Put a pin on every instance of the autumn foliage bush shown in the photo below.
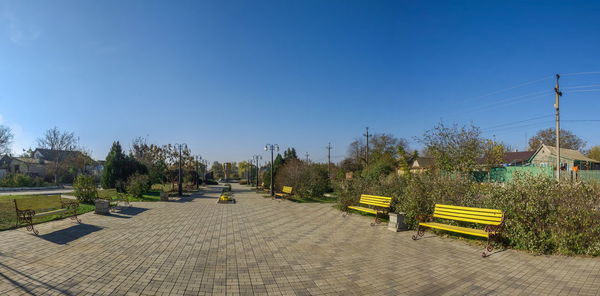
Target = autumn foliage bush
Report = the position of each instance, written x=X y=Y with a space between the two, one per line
x=542 y=215
x=307 y=180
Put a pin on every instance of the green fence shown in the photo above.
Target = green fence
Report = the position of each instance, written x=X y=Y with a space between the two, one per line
x=507 y=174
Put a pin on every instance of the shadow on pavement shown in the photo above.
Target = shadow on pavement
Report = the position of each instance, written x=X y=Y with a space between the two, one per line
x=70 y=234
x=131 y=211
x=30 y=280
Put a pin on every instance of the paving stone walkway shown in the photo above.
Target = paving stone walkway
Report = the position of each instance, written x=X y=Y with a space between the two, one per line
x=261 y=246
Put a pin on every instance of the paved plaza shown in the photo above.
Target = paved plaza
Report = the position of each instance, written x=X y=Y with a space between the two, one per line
x=261 y=246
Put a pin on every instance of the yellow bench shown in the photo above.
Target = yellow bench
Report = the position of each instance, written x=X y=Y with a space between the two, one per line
x=39 y=206
x=374 y=205
x=285 y=192
x=493 y=219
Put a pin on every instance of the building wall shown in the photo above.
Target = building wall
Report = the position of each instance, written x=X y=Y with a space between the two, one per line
x=545 y=158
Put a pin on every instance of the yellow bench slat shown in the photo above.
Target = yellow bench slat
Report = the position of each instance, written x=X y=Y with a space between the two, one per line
x=470 y=231
x=487 y=222
x=468 y=208
x=478 y=217
x=375 y=196
x=363 y=209
x=476 y=213
x=376 y=199
x=376 y=204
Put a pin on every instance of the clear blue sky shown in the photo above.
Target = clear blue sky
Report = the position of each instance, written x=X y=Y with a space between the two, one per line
x=226 y=77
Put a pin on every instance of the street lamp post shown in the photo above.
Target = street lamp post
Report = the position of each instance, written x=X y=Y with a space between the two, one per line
x=180 y=185
x=272 y=148
x=257 y=158
x=197 y=172
x=249 y=172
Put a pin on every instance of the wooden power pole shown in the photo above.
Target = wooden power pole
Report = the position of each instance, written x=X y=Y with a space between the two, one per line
x=557 y=108
x=329 y=159
x=367 y=151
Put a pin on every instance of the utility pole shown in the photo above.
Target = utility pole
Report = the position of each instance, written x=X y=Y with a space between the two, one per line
x=180 y=185
x=367 y=152
x=557 y=108
x=272 y=148
x=197 y=173
x=329 y=158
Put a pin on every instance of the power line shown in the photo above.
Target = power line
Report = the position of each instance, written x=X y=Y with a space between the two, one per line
x=581 y=73
x=513 y=87
x=510 y=101
x=582 y=120
x=518 y=127
x=581 y=86
x=584 y=90
x=515 y=122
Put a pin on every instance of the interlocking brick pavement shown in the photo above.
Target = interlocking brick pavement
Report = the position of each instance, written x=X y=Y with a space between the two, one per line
x=261 y=246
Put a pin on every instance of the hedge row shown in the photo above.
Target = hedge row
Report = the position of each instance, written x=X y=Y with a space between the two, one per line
x=542 y=215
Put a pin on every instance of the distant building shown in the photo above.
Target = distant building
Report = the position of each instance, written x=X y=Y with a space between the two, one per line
x=52 y=155
x=422 y=164
x=42 y=163
x=546 y=156
x=519 y=158
x=24 y=165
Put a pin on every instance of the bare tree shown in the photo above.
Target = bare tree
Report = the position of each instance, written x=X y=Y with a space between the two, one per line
x=455 y=148
x=568 y=139
x=6 y=137
x=58 y=141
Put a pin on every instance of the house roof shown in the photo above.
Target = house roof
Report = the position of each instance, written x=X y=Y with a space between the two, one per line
x=49 y=154
x=5 y=160
x=516 y=157
x=28 y=160
x=566 y=154
x=423 y=162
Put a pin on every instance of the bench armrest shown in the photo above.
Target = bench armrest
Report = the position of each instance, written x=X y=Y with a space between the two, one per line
x=495 y=228
x=70 y=204
x=25 y=213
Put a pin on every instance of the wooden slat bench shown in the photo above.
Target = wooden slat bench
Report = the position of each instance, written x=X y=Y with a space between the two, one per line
x=286 y=191
x=39 y=206
x=373 y=204
x=492 y=219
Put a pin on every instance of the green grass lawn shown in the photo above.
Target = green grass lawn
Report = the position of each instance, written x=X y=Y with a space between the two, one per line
x=8 y=216
x=153 y=195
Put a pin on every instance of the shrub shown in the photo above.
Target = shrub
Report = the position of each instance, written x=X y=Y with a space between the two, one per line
x=545 y=216
x=307 y=180
x=542 y=215
x=21 y=180
x=349 y=191
x=137 y=185
x=85 y=188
